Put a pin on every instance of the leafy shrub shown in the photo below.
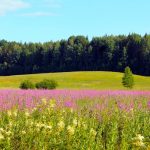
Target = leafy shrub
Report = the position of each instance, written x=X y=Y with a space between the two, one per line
x=27 y=85
x=46 y=84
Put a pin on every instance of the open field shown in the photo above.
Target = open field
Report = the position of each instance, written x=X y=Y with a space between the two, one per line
x=78 y=80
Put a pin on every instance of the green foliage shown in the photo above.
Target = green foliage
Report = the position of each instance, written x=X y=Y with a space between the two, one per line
x=48 y=127
x=108 y=53
x=128 y=79
x=27 y=85
x=46 y=84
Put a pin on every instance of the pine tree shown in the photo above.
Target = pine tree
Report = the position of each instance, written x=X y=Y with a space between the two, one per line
x=128 y=79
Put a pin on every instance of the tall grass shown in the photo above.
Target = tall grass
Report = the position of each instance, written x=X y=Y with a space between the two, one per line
x=75 y=120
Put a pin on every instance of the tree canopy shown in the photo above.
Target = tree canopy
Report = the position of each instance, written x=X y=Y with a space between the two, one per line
x=78 y=53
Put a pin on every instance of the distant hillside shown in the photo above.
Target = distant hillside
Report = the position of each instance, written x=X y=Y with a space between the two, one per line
x=79 y=80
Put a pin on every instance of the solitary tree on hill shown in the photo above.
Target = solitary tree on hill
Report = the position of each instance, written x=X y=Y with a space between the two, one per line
x=128 y=79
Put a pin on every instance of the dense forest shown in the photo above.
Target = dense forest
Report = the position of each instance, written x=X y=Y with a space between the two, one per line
x=107 y=53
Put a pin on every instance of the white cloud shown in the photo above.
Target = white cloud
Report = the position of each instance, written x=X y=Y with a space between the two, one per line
x=38 y=14
x=11 y=5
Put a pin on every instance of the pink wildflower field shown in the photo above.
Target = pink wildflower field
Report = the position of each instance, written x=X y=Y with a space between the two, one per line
x=72 y=98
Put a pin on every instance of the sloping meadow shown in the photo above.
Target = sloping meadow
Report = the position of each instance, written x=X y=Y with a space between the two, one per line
x=74 y=119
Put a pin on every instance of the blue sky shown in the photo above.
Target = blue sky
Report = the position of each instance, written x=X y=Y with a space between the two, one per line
x=45 y=20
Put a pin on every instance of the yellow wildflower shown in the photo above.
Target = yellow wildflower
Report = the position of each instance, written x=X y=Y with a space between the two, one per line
x=52 y=103
x=1 y=137
x=44 y=101
x=139 y=137
x=8 y=133
x=75 y=122
x=61 y=125
x=27 y=113
x=138 y=140
x=70 y=130
x=15 y=113
x=23 y=132
x=2 y=130
x=9 y=113
x=48 y=127
x=93 y=132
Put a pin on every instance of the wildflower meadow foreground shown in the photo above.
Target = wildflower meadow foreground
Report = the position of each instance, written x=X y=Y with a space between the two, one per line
x=74 y=119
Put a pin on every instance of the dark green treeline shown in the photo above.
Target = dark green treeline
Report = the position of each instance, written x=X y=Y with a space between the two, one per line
x=107 y=53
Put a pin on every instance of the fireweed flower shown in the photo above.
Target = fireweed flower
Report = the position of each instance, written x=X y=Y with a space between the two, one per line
x=70 y=104
x=70 y=130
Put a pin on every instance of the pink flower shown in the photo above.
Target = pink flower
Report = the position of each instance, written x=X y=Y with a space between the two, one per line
x=69 y=104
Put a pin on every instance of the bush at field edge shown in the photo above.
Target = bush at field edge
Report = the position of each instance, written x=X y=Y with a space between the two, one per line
x=27 y=85
x=46 y=84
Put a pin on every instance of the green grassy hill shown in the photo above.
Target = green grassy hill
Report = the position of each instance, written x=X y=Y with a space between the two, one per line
x=78 y=80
